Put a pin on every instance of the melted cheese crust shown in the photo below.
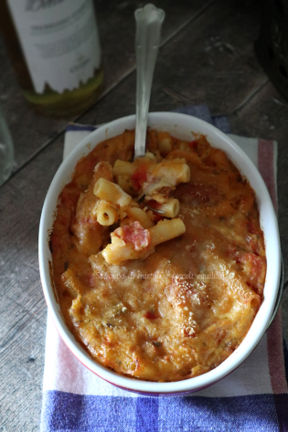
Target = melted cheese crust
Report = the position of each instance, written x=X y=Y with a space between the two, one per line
x=182 y=310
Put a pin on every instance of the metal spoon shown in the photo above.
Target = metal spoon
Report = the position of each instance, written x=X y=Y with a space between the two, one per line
x=149 y=20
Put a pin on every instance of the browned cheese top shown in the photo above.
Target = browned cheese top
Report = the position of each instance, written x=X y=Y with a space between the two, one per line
x=184 y=307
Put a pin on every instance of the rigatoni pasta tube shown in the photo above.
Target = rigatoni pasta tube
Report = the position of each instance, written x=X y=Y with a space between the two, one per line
x=176 y=170
x=166 y=230
x=123 y=168
x=109 y=191
x=106 y=213
x=140 y=215
x=170 y=208
x=119 y=251
x=165 y=142
x=125 y=183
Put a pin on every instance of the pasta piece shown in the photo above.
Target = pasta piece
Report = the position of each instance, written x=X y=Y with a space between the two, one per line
x=165 y=142
x=148 y=157
x=190 y=157
x=159 y=198
x=102 y=169
x=166 y=175
x=128 y=168
x=123 y=168
x=170 y=208
x=71 y=282
x=140 y=215
x=89 y=235
x=176 y=170
x=132 y=241
x=128 y=242
x=184 y=146
x=109 y=191
x=106 y=213
x=166 y=230
x=118 y=251
x=125 y=183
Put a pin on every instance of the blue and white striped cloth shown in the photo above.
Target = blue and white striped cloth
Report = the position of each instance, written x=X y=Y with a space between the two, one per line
x=253 y=398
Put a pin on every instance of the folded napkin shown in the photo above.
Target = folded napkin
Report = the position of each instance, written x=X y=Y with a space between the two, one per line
x=253 y=398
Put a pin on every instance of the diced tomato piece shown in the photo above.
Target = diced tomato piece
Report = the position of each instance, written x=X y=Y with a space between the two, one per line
x=255 y=262
x=150 y=315
x=254 y=267
x=252 y=242
x=252 y=229
x=193 y=144
x=88 y=280
x=69 y=197
x=139 y=177
x=135 y=234
x=189 y=332
x=246 y=203
x=153 y=204
x=233 y=252
x=157 y=217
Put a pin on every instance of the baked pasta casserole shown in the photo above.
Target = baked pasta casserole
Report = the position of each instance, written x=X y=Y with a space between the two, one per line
x=158 y=263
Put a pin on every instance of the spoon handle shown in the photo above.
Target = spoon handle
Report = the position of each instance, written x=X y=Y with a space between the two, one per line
x=149 y=20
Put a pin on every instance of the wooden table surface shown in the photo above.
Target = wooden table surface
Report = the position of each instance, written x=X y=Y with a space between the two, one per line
x=206 y=57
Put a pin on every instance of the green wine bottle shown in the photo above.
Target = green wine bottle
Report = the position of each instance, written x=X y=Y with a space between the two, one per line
x=55 y=50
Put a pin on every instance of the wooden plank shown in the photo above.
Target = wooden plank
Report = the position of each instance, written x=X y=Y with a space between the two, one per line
x=23 y=309
x=207 y=62
x=265 y=115
x=220 y=68
x=31 y=131
x=21 y=372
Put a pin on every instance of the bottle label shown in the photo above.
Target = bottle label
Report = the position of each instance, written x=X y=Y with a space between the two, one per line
x=60 y=41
